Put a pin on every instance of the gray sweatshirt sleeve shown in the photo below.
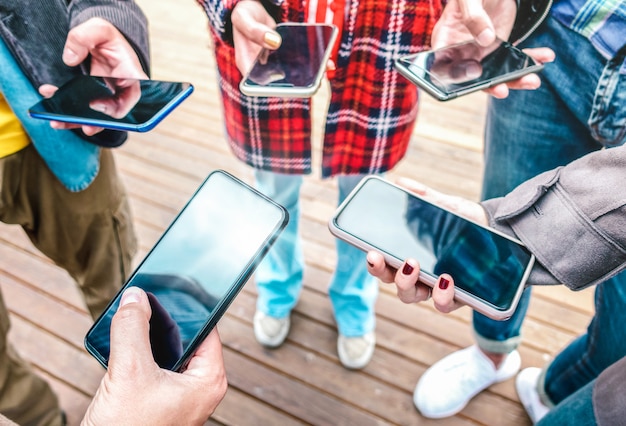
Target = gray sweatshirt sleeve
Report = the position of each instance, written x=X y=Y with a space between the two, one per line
x=572 y=218
x=125 y=15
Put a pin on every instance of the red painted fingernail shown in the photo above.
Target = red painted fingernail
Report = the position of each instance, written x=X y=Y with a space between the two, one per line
x=443 y=283
x=407 y=270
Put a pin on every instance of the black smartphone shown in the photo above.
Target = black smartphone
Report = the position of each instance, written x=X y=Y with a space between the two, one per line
x=463 y=68
x=112 y=103
x=489 y=268
x=197 y=267
x=297 y=67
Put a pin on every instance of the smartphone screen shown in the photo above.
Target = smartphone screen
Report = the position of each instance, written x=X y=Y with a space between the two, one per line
x=297 y=67
x=489 y=268
x=197 y=267
x=112 y=103
x=466 y=67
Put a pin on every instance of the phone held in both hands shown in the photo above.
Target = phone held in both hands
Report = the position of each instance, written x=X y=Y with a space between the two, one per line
x=297 y=67
x=197 y=267
x=463 y=68
x=489 y=268
x=112 y=103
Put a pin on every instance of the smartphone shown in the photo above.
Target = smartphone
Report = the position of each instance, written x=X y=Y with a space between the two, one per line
x=463 y=68
x=489 y=268
x=124 y=104
x=197 y=267
x=296 y=68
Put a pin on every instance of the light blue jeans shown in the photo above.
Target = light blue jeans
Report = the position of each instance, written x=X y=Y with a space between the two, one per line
x=579 y=108
x=353 y=291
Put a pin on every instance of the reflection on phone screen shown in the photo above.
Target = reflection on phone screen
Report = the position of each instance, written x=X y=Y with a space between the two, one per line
x=465 y=65
x=298 y=60
x=198 y=266
x=483 y=263
x=125 y=104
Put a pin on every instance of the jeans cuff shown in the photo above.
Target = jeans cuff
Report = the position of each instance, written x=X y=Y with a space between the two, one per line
x=497 y=346
x=541 y=389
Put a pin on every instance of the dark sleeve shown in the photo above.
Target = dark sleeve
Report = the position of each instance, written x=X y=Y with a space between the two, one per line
x=129 y=19
x=609 y=398
x=572 y=218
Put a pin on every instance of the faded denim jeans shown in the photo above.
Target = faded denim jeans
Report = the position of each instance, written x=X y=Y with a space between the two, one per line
x=579 y=108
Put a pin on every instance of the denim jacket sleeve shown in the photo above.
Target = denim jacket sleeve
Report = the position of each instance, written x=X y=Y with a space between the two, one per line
x=572 y=218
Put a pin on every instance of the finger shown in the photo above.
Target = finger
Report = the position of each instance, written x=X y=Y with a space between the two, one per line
x=91 y=130
x=541 y=54
x=443 y=294
x=47 y=90
x=84 y=37
x=477 y=21
x=256 y=25
x=409 y=289
x=208 y=355
x=377 y=267
x=130 y=341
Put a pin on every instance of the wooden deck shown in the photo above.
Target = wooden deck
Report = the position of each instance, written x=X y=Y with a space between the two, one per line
x=302 y=382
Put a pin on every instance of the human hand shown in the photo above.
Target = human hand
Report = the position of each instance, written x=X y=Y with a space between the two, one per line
x=408 y=285
x=410 y=288
x=253 y=30
x=482 y=20
x=135 y=390
x=110 y=55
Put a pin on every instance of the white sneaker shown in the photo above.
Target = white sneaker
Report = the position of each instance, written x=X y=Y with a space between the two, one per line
x=526 y=386
x=356 y=352
x=269 y=331
x=446 y=387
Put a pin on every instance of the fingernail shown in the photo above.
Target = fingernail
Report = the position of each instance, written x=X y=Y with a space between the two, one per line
x=443 y=283
x=407 y=269
x=69 y=57
x=130 y=295
x=272 y=39
x=486 y=37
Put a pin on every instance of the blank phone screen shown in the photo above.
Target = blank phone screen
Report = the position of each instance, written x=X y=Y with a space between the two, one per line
x=198 y=266
x=483 y=263
x=298 y=60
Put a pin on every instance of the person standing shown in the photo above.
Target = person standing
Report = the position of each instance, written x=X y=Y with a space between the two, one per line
x=369 y=122
x=60 y=185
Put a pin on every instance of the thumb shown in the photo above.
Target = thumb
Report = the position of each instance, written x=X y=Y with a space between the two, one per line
x=130 y=341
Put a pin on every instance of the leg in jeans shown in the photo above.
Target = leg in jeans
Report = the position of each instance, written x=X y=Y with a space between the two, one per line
x=279 y=276
x=577 y=409
x=353 y=291
x=534 y=131
x=88 y=233
x=527 y=133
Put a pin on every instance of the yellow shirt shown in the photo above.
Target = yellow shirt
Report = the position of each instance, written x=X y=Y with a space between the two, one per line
x=12 y=134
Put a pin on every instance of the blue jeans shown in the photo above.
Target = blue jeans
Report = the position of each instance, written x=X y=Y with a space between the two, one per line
x=353 y=291
x=577 y=409
x=579 y=108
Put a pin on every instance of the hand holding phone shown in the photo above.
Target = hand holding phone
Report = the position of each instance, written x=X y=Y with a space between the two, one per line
x=467 y=67
x=489 y=268
x=112 y=103
x=197 y=267
x=297 y=67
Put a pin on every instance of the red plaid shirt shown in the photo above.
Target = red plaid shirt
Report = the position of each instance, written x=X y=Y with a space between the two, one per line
x=372 y=108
